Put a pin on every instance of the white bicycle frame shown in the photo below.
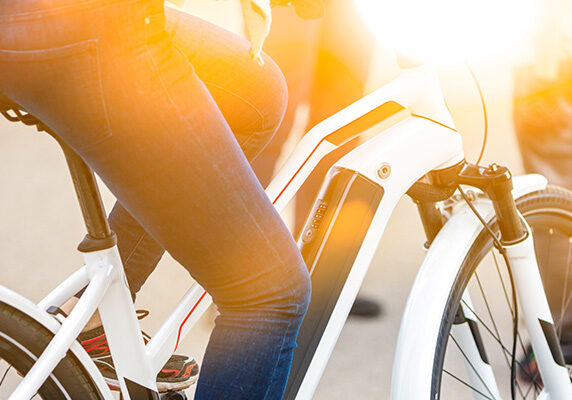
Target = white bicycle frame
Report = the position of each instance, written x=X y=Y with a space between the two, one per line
x=418 y=136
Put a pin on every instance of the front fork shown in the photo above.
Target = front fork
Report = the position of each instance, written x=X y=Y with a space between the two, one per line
x=517 y=243
x=538 y=319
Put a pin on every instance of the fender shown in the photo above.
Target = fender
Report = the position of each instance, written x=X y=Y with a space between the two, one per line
x=414 y=355
x=24 y=305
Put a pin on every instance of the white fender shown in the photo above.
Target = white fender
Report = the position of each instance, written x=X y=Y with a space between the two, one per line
x=24 y=305
x=411 y=377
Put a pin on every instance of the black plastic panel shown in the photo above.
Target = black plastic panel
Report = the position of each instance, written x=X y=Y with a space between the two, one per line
x=329 y=244
x=362 y=124
x=553 y=342
x=478 y=340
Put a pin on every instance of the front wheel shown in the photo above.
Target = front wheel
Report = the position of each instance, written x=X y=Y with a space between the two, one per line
x=22 y=340
x=483 y=289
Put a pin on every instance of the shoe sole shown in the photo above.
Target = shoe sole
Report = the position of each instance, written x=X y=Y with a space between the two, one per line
x=161 y=386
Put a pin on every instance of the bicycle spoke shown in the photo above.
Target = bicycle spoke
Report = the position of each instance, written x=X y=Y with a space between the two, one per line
x=502 y=283
x=488 y=307
x=487 y=279
x=550 y=233
x=506 y=352
x=487 y=328
x=565 y=301
x=5 y=373
x=471 y=365
x=522 y=347
x=568 y=302
x=466 y=384
x=532 y=385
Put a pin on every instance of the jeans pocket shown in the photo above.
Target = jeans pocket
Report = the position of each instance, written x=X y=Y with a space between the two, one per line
x=62 y=87
x=155 y=27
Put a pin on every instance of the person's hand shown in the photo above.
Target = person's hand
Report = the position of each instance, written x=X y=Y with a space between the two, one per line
x=306 y=9
x=257 y=19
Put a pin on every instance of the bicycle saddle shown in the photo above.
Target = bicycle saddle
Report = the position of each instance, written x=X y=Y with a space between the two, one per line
x=6 y=104
x=15 y=113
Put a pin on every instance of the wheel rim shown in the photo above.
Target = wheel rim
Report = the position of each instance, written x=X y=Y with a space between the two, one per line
x=15 y=361
x=552 y=230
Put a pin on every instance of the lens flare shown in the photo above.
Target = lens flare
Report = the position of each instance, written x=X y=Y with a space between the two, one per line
x=451 y=28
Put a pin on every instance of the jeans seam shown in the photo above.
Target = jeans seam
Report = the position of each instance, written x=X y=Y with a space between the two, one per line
x=134 y=248
x=269 y=243
x=153 y=66
x=39 y=14
x=279 y=256
x=286 y=333
x=101 y=93
x=260 y=115
x=158 y=73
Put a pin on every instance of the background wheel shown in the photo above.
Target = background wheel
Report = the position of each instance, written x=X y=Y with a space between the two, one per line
x=22 y=340
x=484 y=275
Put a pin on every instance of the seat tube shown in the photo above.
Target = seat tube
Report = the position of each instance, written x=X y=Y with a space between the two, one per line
x=99 y=247
x=99 y=234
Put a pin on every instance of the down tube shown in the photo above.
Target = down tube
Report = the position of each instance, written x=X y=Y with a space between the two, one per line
x=330 y=244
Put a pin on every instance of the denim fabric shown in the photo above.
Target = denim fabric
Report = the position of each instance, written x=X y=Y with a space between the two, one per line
x=323 y=71
x=161 y=118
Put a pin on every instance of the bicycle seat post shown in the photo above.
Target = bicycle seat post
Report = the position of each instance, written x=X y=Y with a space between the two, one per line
x=99 y=235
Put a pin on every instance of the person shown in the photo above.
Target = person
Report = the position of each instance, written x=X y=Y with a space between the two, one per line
x=168 y=110
x=326 y=70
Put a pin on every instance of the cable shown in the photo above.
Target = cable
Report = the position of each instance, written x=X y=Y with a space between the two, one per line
x=486 y=123
x=498 y=245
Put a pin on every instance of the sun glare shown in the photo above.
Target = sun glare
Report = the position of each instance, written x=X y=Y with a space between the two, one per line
x=451 y=28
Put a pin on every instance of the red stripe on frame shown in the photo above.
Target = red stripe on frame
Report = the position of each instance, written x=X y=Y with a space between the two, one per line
x=352 y=130
x=186 y=318
x=296 y=173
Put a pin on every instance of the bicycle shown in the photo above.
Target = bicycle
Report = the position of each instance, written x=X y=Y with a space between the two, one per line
x=408 y=145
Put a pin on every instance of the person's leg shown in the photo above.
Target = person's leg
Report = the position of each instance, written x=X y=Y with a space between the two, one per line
x=246 y=95
x=323 y=72
x=252 y=118
x=293 y=44
x=139 y=251
x=158 y=140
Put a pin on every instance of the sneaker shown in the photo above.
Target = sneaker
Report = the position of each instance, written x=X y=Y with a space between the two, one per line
x=179 y=372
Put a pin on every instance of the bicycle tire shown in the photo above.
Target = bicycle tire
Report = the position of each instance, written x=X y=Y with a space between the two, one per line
x=22 y=340
x=549 y=207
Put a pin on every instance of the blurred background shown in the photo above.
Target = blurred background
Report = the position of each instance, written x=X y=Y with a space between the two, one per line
x=328 y=63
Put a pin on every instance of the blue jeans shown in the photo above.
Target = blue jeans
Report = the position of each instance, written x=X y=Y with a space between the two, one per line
x=169 y=121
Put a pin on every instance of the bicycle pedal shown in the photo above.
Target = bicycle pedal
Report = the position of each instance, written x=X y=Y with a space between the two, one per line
x=170 y=395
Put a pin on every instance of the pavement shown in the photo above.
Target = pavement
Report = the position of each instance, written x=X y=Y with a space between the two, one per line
x=41 y=226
